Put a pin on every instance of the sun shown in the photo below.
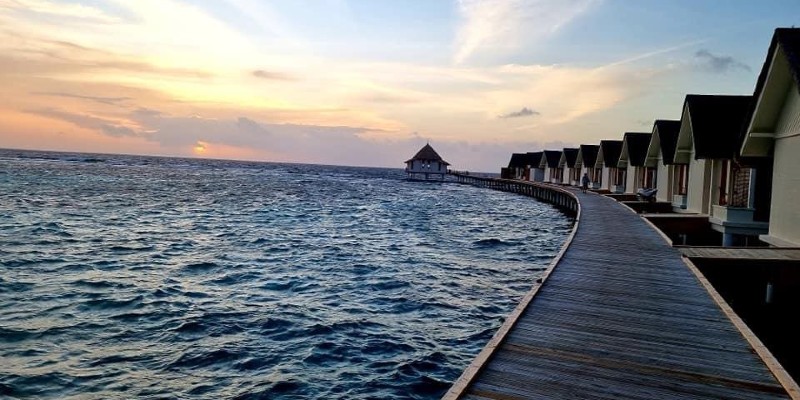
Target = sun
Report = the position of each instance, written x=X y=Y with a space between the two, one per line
x=200 y=148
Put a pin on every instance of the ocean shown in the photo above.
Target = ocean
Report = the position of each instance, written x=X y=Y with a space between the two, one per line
x=148 y=277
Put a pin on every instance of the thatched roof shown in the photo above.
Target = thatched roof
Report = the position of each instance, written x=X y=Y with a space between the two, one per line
x=427 y=153
x=716 y=123
x=518 y=160
x=534 y=159
x=588 y=154
x=667 y=137
x=570 y=155
x=636 y=144
x=552 y=157
x=611 y=150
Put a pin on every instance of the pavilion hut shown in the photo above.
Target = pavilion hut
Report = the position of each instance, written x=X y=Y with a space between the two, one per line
x=613 y=178
x=631 y=158
x=707 y=141
x=567 y=164
x=549 y=166
x=660 y=153
x=773 y=135
x=427 y=164
x=585 y=164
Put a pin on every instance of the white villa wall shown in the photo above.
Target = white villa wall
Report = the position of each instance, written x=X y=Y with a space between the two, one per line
x=784 y=221
x=606 y=179
x=567 y=175
x=698 y=188
x=664 y=181
x=630 y=179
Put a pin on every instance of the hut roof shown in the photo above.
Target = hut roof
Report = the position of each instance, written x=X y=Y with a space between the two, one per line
x=570 y=155
x=611 y=150
x=534 y=158
x=589 y=154
x=667 y=137
x=716 y=123
x=636 y=144
x=552 y=157
x=518 y=160
x=427 y=153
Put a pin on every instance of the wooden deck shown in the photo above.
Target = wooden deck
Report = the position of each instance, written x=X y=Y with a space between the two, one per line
x=742 y=253
x=620 y=317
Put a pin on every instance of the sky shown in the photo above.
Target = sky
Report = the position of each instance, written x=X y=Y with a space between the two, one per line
x=365 y=82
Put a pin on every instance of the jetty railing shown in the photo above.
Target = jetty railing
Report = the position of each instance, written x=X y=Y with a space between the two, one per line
x=552 y=194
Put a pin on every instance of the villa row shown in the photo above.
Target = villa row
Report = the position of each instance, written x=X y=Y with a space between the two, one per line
x=732 y=162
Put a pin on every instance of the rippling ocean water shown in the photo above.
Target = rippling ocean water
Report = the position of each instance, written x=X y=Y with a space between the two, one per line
x=143 y=277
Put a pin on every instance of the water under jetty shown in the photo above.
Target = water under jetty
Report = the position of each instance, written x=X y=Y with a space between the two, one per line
x=619 y=315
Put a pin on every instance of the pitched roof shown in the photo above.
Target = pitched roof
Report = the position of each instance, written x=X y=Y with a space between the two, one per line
x=789 y=41
x=611 y=150
x=552 y=157
x=589 y=154
x=637 y=143
x=717 y=123
x=534 y=158
x=571 y=155
x=427 y=153
x=668 y=138
x=517 y=160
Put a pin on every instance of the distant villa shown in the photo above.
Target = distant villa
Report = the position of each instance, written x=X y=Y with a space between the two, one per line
x=427 y=164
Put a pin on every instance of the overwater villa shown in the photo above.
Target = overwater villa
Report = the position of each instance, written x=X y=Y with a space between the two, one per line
x=427 y=164
x=660 y=155
x=710 y=128
x=517 y=168
x=773 y=134
x=535 y=173
x=585 y=164
x=549 y=166
x=607 y=158
x=567 y=164
x=631 y=159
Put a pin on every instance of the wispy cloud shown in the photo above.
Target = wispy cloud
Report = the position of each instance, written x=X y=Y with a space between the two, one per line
x=524 y=112
x=97 y=99
x=113 y=128
x=653 y=53
x=508 y=23
x=719 y=64
x=273 y=75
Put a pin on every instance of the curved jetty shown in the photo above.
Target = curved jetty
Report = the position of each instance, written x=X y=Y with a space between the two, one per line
x=620 y=315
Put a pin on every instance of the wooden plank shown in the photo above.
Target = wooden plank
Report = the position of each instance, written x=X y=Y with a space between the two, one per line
x=621 y=316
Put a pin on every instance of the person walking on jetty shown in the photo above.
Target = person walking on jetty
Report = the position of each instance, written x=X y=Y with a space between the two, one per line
x=585 y=182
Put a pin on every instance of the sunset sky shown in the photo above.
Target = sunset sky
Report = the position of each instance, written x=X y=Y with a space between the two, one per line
x=365 y=82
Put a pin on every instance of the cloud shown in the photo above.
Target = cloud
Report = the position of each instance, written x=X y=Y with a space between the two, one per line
x=274 y=76
x=98 y=99
x=524 y=112
x=506 y=24
x=106 y=126
x=719 y=64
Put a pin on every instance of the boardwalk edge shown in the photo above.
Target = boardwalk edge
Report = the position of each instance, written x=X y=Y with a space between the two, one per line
x=477 y=364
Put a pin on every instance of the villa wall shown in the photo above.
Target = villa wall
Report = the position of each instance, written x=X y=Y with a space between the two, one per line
x=699 y=181
x=784 y=222
x=606 y=178
x=630 y=179
x=663 y=180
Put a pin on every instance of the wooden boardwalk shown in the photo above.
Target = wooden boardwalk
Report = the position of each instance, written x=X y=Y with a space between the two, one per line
x=742 y=253
x=621 y=317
